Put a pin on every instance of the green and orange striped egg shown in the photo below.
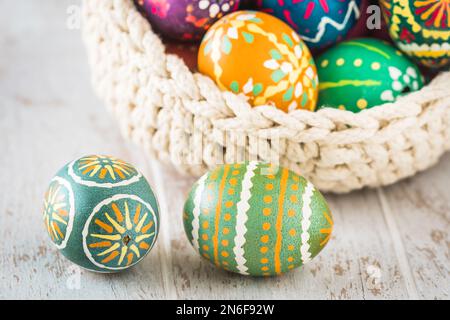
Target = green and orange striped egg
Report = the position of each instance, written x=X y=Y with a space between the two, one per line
x=101 y=213
x=256 y=219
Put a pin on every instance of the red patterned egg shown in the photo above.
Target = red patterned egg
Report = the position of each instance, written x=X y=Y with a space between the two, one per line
x=185 y=19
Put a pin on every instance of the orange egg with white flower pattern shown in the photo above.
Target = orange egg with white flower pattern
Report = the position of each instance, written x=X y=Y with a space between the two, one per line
x=260 y=56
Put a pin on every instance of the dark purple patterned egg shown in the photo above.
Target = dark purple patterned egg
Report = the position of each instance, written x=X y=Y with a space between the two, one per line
x=186 y=20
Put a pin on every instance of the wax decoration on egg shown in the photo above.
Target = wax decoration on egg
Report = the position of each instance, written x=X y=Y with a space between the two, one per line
x=256 y=219
x=363 y=73
x=185 y=19
x=320 y=23
x=260 y=56
x=101 y=213
x=421 y=29
x=247 y=5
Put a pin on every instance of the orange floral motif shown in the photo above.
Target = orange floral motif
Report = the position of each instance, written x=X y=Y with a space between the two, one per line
x=159 y=7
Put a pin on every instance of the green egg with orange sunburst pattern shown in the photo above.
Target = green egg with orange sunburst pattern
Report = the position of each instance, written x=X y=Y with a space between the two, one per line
x=256 y=219
x=101 y=213
x=364 y=73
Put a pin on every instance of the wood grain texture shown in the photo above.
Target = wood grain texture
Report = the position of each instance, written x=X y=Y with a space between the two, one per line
x=390 y=243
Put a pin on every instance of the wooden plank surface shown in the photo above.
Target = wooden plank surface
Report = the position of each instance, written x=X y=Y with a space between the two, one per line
x=390 y=243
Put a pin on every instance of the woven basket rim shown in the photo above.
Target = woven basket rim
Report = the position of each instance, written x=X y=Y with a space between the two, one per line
x=412 y=96
x=368 y=135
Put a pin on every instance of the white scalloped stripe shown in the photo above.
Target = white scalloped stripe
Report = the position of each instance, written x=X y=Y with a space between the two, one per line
x=241 y=218
x=196 y=212
x=322 y=27
x=426 y=48
x=306 y=222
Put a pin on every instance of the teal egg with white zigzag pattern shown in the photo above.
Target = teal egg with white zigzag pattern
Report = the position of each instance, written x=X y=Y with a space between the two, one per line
x=256 y=219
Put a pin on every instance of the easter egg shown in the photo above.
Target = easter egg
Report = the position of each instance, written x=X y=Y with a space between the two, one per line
x=363 y=73
x=421 y=29
x=260 y=56
x=382 y=33
x=247 y=5
x=101 y=213
x=320 y=23
x=256 y=219
x=185 y=19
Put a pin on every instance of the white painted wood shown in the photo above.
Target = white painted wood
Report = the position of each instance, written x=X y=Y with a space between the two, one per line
x=399 y=248
x=391 y=243
x=48 y=117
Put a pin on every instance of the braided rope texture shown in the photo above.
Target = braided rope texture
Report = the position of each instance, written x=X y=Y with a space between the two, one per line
x=184 y=119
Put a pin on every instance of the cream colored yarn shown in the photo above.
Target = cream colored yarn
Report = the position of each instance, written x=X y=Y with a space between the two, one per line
x=184 y=119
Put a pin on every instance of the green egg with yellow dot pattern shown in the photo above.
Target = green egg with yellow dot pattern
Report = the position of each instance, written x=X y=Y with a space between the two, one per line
x=256 y=219
x=364 y=73
x=101 y=213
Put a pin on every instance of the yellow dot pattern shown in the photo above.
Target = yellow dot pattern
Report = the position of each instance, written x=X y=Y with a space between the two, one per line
x=273 y=229
x=358 y=63
x=291 y=254
x=264 y=237
x=271 y=187
x=362 y=103
x=225 y=212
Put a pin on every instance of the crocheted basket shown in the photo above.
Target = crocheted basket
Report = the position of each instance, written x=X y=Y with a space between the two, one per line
x=183 y=118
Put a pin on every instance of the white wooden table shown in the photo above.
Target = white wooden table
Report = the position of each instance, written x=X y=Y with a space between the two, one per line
x=387 y=243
